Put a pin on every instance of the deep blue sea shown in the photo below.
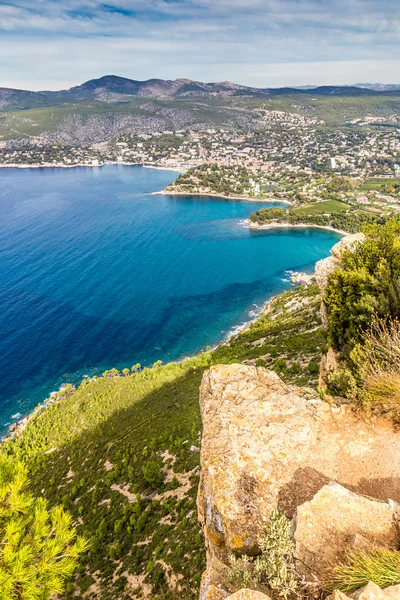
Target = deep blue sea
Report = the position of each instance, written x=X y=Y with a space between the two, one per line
x=95 y=272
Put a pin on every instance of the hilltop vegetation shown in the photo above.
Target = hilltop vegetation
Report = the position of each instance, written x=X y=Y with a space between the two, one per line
x=121 y=453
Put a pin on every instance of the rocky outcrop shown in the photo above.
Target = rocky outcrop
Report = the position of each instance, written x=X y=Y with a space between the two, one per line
x=336 y=519
x=371 y=591
x=269 y=445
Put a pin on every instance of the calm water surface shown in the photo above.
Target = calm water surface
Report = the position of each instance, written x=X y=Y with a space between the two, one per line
x=95 y=272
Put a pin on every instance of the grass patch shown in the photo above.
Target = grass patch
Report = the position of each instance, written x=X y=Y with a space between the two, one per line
x=328 y=207
x=378 y=183
x=379 y=565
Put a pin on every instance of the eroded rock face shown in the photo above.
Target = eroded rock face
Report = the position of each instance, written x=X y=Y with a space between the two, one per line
x=269 y=445
x=336 y=519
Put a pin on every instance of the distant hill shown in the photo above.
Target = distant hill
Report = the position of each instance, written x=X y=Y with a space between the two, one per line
x=379 y=87
x=112 y=88
x=11 y=99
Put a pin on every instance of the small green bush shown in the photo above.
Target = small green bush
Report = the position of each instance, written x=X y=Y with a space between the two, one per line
x=152 y=473
x=274 y=568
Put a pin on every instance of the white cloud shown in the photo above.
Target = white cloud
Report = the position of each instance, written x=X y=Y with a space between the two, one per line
x=260 y=42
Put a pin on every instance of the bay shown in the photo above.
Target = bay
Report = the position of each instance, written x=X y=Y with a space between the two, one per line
x=96 y=272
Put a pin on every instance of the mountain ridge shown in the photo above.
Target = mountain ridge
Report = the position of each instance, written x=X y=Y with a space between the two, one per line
x=113 y=88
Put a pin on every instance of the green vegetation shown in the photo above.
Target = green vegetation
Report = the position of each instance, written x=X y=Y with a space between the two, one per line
x=227 y=181
x=362 y=299
x=358 y=567
x=39 y=548
x=274 y=568
x=366 y=285
x=329 y=207
x=387 y=184
x=351 y=220
x=121 y=452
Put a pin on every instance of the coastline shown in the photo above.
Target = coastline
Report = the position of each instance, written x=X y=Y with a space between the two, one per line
x=210 y=195
x=277 y=225
x=67 y=389
x=64 y=166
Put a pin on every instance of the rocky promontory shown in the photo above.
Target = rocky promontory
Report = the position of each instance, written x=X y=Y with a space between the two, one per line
x=267 y=445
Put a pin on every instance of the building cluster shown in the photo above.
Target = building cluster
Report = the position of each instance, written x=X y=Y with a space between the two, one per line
x=285 y=140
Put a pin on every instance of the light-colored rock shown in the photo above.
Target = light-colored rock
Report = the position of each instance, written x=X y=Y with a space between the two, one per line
x=213 y=593
x=393 y=591
x=348 y=242
x=267 y=445
x=337 y=595
x=248 y=595
x=371 y=591
x=329 y=364
x=328 y=524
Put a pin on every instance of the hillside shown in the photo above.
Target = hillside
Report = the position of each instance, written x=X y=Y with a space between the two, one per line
x=122 y=454
x=101 y=109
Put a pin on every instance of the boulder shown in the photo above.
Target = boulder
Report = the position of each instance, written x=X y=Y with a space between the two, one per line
x=371 y=591
x=269 y=445
x=248 y=595
x=332 y=521
x=337 y=595
x=393 y=591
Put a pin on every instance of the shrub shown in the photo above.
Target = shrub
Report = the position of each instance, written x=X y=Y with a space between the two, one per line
x=280 y=366
x=365 y=287
x=358 y=567
x=152 y=473
x=274 y=568
x=313 y=367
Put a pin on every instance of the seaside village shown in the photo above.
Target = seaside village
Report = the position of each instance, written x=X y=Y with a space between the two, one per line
x=287 y=144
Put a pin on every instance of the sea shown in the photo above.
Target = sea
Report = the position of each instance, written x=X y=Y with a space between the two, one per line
x=98 y=272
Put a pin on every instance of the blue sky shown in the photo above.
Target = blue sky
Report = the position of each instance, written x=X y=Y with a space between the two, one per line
x=53 y=44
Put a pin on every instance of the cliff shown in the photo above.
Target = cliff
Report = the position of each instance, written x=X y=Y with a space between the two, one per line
x=267 y=446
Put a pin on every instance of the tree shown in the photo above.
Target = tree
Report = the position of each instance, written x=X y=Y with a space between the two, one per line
x=366 y=286
x=39 y=548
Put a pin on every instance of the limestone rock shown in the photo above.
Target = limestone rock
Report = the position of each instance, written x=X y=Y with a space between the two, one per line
x=213 y=593
x=348 y=242
x=393 y=591
x=329 y=364
x=269 y=445
x=248 y=595
x=337 y=595
x=371 y=591
x=326 y=525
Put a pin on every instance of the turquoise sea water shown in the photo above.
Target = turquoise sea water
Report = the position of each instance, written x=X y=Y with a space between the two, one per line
x=95 y=272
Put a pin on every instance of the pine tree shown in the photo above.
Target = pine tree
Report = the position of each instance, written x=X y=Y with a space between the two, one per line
x=39 y=547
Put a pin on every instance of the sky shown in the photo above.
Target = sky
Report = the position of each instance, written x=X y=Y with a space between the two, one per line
x=55 y=44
